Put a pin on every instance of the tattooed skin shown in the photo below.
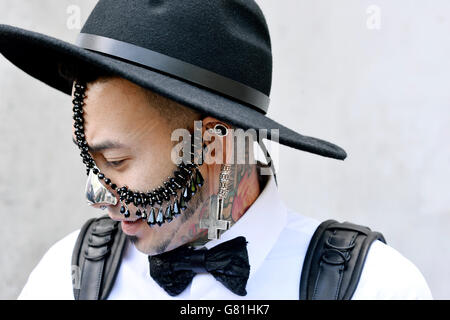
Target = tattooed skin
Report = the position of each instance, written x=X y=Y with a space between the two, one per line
x=243 y=191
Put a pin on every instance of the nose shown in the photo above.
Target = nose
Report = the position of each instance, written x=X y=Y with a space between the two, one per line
x=97 y=195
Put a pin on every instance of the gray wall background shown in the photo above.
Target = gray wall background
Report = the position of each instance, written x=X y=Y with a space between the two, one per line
x=381 y=93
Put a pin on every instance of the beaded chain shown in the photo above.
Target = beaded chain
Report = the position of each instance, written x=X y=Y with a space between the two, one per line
x=156 y=207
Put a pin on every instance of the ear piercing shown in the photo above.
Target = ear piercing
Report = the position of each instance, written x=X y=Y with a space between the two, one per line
x=220 y=130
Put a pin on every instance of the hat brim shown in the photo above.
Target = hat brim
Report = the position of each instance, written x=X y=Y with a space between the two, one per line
x=40 y=56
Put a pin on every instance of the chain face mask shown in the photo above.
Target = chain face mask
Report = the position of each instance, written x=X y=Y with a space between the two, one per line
x=156 y=207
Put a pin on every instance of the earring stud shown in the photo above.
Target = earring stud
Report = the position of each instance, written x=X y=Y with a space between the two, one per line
x=220 y=130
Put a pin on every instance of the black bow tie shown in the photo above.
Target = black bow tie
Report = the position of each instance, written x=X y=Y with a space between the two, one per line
x=227 y=262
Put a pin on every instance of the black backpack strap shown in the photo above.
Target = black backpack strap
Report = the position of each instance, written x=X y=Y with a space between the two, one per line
x=96 y=258
x=334 y=260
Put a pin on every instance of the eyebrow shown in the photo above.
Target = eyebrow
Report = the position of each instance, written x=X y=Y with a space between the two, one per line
x=102 y=146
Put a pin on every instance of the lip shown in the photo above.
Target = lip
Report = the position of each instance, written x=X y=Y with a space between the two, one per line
x=131 y=228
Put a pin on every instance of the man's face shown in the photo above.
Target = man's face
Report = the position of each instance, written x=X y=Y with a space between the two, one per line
x=131 y=145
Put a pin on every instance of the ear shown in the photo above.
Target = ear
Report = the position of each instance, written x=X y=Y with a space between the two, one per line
x=219 y=149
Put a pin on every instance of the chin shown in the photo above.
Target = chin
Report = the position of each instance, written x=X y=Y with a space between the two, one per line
x=157 y=240
x=147 y=246
x=139 y=244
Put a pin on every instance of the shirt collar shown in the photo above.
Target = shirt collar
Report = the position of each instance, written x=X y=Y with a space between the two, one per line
x=261 y=225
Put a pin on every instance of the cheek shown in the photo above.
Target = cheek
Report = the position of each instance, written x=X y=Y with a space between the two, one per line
x=150 y=168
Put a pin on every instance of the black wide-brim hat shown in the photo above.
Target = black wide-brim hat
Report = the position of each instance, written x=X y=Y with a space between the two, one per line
x=212 y=56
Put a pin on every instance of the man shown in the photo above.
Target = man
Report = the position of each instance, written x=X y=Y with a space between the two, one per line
x=141 y=70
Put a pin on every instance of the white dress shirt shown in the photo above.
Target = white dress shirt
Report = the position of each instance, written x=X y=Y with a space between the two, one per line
x=277 y=242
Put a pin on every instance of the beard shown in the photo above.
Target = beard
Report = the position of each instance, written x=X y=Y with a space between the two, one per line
x=133 y=239
x=163 y=241
x=155 y=249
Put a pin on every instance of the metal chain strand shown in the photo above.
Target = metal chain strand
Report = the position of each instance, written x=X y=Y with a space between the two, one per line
x=224 y=181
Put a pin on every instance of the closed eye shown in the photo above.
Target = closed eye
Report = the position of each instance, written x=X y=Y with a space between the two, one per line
x=114 y=163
